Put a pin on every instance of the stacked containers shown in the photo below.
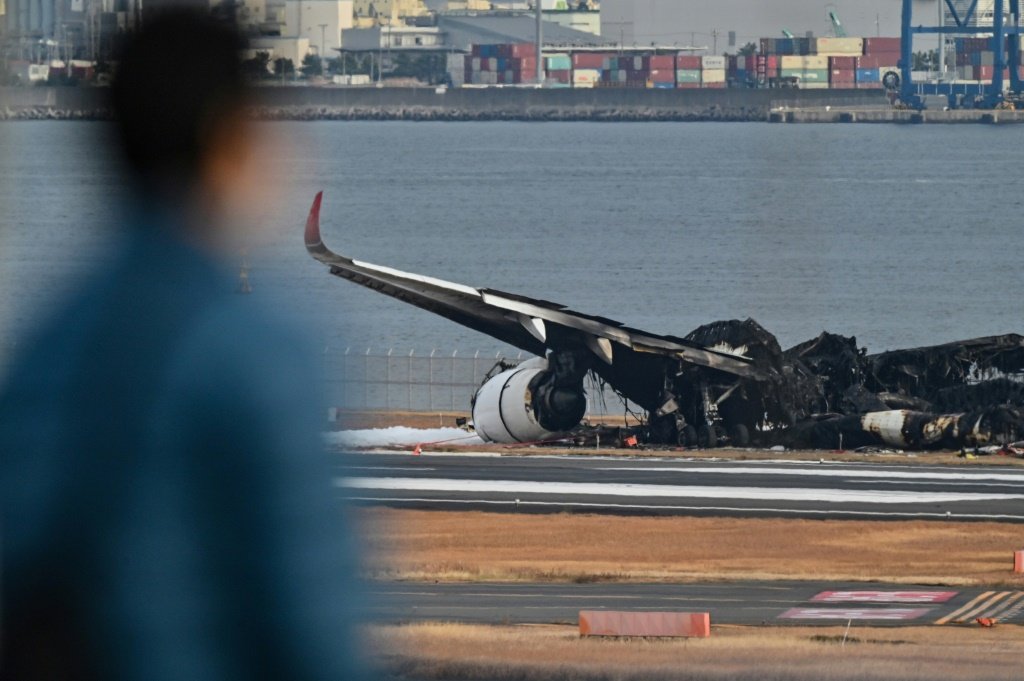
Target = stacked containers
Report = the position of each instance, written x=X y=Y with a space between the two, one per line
x=810 y=72
x=881 y=56
x=688 y=70
x=501 y=64
x=842 y=72
x=586 y=68
x=713 y=71
x=558 y=69
x=663 y=71
x=622 y=71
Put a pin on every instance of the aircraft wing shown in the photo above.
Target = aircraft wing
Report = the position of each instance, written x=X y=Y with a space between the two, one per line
x=623 y=354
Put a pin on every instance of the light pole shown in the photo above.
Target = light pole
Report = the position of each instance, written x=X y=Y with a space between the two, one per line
x=323 y=50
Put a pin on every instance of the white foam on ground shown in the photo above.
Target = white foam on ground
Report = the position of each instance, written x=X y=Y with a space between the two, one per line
x=399 y=436
x=832 y=472
x=668 y=491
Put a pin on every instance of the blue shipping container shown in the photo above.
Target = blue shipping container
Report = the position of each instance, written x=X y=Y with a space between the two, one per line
x=664 y=86
x=867 y=75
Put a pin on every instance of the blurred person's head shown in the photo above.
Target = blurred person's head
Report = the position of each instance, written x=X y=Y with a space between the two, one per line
x=179 y=98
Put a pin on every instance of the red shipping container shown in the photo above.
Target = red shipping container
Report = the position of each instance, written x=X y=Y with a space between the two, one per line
x=714 y=86
x=663 y=75
x=869 y=86
x=688 y=86
x=520 y=50
x=524 y=64
x=842 y=63
x=878 y=61
x=873 y=46
x=589 y=60
x=663 y=61
x=986 y=73
x=688 y=63
x=837 y=76
x=560 y=76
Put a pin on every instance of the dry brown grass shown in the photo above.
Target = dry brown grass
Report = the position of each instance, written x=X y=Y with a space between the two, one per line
x=476 y=546
x=451 y=651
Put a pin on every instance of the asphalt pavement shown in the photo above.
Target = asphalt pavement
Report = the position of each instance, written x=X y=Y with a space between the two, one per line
x=749 y=603
x=673 y=486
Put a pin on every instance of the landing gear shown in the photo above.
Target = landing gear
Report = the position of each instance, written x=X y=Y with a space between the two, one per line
x=739 y=435
x=707 y=437
x=688 y=436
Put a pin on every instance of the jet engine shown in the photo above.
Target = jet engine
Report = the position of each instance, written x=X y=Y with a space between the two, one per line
x=535 y=401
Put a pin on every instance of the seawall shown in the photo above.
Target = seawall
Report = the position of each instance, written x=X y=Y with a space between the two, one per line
x=479 y=104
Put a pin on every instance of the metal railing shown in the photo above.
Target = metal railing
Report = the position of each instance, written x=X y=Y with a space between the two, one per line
x=427 y=382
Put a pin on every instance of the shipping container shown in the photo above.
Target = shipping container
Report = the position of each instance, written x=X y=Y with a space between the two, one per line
x=713 y=76
x=520 y=50
x=875 y=45
x=833 y=47
x=711 y=63
x=585 y=77
x=806 y=75
x=589 y=60
x=842 y=63
x=663 y=86
x=816 y=63
x=812 y=86
x=688 y=62
x=560 y=76
x=867 y=75
x=663 y=76
x=878 y=61
x=688 y=76
x=558 y=62
x=687 y=86
x=663 y=61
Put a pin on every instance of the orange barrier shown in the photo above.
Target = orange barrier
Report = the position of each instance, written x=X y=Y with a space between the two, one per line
x=1018 y=562
x=677 y=624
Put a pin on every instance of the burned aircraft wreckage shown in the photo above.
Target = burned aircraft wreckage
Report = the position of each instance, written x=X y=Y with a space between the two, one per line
x=727 y=382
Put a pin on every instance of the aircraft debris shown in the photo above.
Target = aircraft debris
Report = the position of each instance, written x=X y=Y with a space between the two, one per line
x=725 y=383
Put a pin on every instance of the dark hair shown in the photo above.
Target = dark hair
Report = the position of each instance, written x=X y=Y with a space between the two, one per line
x=176 y=79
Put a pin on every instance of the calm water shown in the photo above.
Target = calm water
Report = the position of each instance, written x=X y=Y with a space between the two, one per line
x=881 y=232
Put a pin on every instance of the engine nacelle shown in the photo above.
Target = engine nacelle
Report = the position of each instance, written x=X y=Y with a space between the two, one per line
x=529 y=403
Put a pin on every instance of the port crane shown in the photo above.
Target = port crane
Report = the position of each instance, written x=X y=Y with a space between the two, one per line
x=837 y=26
x=1005 y=45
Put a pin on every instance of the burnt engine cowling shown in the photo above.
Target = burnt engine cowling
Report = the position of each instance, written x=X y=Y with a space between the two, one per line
x=535 y=401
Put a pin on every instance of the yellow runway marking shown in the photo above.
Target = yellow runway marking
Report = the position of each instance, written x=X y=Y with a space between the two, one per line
x=990 y=604
x=964 y=609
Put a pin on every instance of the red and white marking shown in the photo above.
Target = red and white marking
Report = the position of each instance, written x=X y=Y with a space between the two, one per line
x=884 y=596
x=854 y=613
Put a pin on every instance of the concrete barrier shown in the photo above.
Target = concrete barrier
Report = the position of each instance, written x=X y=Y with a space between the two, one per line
x=1018 y=562
x=660 y=624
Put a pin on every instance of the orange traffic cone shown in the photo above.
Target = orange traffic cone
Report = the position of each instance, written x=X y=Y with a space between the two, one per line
x=418 y=450
x=986 y=621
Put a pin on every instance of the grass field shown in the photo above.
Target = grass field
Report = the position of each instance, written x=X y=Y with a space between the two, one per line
x=477 y=546
x=468 y=652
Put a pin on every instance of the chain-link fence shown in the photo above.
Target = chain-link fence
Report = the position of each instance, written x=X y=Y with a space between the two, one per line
x=428 y=382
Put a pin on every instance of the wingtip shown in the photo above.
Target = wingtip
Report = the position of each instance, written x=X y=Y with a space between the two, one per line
x=313 y=222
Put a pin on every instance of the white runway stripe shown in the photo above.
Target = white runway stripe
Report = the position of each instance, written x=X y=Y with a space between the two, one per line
x=830 y=472
x=669 y=491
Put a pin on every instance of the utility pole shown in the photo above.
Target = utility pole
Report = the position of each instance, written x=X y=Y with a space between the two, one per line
x=323 y=50
x=540 y=41
x=714 y=38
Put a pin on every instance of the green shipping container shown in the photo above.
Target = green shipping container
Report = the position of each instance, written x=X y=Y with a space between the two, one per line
x=559 y=63
x=806 y=76
x=688 y=76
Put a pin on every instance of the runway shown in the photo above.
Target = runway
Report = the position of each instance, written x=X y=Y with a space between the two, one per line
x=664 y=486
x=748 y=603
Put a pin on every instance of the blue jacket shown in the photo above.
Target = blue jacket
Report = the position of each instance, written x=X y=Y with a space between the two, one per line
x=167 y=511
